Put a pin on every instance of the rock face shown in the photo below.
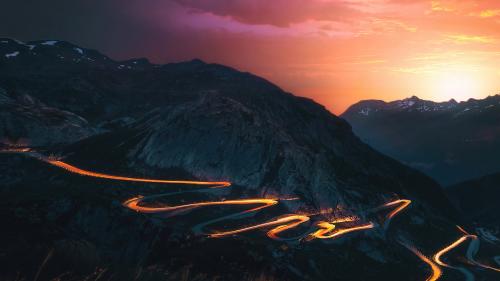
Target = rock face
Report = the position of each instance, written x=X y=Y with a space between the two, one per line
x=207 y=122
x=309 y=153
x=449 y=141
x=27 y=121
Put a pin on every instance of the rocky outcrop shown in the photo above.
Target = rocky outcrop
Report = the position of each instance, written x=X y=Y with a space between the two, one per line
x=26 y=121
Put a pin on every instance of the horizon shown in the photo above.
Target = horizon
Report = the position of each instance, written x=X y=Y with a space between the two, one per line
x=336 y=53
x=464 y=99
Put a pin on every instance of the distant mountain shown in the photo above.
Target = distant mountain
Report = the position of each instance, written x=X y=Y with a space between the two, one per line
x=194 y=120
x=478 y=199
x=448 y=141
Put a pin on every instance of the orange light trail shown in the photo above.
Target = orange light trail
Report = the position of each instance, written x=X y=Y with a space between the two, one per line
x=438 y=256
x=486 y=266
x=472 y=250
x=76 y=170
x=134 y=205
x=299 y=219
x=327 y=227
x=473 y=247
x=16 y=150
x=403 y=202
x=285 y=223
x=436 y=271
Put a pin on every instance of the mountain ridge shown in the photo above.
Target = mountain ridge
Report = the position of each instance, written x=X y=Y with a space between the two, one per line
x=449 y=141
x=414 y=103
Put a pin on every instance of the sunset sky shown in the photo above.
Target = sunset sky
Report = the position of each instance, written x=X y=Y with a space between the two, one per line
x=336 y=52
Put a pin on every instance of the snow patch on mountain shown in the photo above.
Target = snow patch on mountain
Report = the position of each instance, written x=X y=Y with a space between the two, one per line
x=50 y=43
x=406 y=103
x=11 y=55
x=415 y=104
x=365 y=111
x=79 y=50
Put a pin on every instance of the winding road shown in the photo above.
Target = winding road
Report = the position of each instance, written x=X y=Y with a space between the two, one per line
x=472 y=250
x=436 y=270
x=327 y=230
x=324 y=229
x=438 y=257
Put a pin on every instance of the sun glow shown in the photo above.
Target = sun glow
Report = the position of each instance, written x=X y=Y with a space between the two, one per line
x=457 y=84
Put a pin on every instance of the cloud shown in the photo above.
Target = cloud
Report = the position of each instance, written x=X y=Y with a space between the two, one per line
x=463 y=39
x=439 y=6
x=489 y=13
x=281 y=13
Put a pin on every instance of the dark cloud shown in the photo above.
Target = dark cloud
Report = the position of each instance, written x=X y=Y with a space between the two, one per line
x=280 y=13
x=112 y=26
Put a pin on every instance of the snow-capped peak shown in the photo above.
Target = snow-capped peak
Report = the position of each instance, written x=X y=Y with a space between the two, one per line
x=50 y=43
x=11 y=55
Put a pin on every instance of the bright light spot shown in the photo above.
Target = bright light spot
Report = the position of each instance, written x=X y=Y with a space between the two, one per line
x=459 y=85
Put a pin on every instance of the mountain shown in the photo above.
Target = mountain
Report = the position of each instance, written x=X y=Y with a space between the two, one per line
x=203 y=122
x=229 y=115
x=25 y=119
x=448 y=141
x=478 y=199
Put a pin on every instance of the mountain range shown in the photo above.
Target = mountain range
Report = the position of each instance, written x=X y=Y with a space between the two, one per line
x=67 y=105
x=449 y=141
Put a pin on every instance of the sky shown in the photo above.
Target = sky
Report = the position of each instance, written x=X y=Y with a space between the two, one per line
x=335 y=52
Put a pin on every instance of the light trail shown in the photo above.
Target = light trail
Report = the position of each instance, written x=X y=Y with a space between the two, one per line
x=16 y=150
x=403 y=204
x=76 y=170
x=327 y=230
x=400 y=204
x=284 y=223
x=439 y=255
x=326 y=227
x=473 y=249
x=436 y=271
x=133 y=204
x=470 y=254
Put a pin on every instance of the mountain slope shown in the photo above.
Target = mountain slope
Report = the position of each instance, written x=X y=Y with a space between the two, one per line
x=217 y=119
x=449 y=141
x=25 y=120
x=208 y=122
x=478 y=198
